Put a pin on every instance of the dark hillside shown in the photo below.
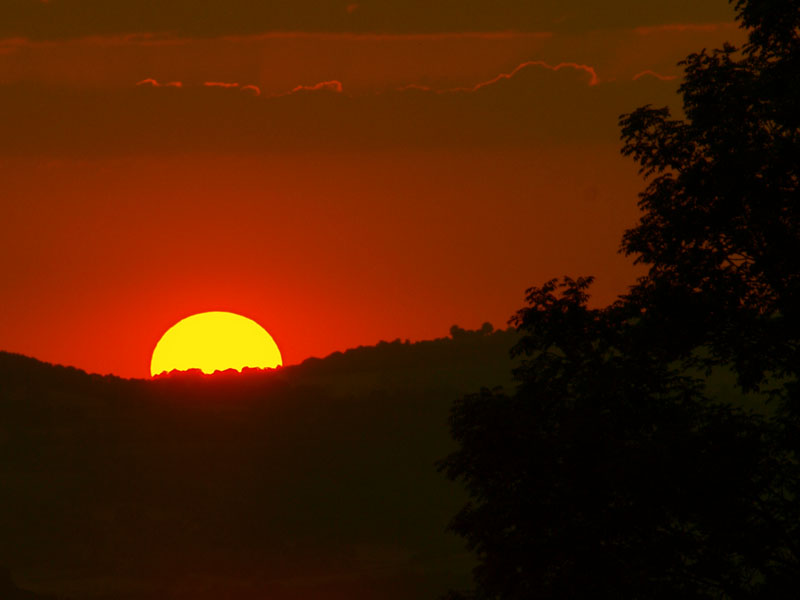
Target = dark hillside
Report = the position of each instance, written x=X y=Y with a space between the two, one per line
x=312 y=481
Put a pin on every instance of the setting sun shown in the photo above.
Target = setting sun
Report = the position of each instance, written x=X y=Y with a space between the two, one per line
x=215 y=341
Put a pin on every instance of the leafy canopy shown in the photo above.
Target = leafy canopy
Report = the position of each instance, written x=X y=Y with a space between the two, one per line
x=611 y=471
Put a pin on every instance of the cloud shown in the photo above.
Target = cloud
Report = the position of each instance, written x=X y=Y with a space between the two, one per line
x=221 y=84
x=651 y=73
x=253 y=89
x=387 y=36
x=415 y=86
x=9 y=45
x=331 y=86
x=276 y=62
x=327 y=86
x=152 y=82
x=685 y=28
x=593 y=80
x=518 y=71
x=534 y=104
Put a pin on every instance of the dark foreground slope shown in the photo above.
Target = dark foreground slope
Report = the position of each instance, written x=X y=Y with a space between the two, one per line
x=314 y=481
x=10 y=591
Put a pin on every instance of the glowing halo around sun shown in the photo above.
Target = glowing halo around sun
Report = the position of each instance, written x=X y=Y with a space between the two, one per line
x=215 y=341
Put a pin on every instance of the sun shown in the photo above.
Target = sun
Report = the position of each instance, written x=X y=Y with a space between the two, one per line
x=214 y=341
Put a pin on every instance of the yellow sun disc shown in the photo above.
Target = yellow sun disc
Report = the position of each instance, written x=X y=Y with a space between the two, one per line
x=215 y=341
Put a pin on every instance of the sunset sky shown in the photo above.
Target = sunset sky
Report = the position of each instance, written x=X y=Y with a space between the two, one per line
x=341 y=172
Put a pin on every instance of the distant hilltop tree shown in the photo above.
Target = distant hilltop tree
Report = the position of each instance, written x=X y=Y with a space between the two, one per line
x=457 y=332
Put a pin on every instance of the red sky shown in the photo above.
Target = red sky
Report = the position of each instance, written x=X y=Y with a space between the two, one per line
x=367 y=171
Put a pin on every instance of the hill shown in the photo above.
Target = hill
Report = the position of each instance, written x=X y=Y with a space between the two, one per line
x=311 y=481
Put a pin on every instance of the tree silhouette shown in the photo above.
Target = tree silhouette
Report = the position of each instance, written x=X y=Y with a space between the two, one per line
x=611 y=471
x=720 y=229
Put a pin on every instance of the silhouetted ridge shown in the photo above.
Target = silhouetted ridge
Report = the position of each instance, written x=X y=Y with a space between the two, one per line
x=18 y=366
x=477 y=358
x=314 y=481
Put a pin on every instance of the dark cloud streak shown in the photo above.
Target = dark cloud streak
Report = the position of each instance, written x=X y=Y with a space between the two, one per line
x=79 y=18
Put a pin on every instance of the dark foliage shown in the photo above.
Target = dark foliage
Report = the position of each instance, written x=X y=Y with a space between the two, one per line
x=720 y=230
x=611 y=471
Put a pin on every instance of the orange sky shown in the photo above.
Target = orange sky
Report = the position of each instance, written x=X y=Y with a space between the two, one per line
x=353 y=180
